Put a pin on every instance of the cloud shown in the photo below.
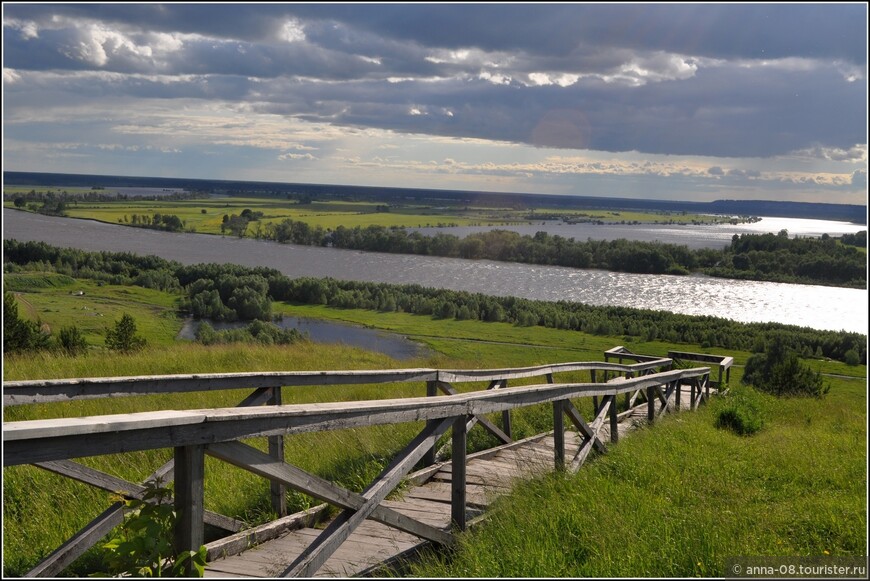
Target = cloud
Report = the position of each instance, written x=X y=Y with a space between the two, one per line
x=286 y=156
x=724 y=82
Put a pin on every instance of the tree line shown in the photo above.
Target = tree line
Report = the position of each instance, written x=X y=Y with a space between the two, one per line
x=234 y=292
x=767 y=257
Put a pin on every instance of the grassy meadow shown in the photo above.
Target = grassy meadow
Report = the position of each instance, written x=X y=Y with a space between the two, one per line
x=677 y=499
x=673 y=500
x=205 y=215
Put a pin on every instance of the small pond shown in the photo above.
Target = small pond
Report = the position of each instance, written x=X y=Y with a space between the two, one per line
x=319 y=331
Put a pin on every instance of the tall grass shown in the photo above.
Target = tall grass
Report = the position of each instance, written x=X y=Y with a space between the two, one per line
x=676 y=500
x=41 y=509
x=685 y=475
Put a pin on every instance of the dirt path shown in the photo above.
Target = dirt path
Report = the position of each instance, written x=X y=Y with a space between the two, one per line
x=31 y=310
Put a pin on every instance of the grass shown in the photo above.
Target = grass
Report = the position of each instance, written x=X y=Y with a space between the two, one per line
x=205 y=215
x=623 y=515
x=51 y=299
x=678 y=499
x=349 y=457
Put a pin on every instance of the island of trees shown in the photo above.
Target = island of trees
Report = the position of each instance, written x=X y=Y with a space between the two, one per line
x=766 y=257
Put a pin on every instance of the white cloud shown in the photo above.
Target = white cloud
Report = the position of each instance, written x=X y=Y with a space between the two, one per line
x=292 y=31
x=10 y=76
x=286 y=156
x=495 y=78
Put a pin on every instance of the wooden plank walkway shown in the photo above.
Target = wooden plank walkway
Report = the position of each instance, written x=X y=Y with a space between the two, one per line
x=372 y=543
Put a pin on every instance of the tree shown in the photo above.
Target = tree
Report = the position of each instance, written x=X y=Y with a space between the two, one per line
x=19 y=334
x=71 y=340
x=123 y=336
x=779 y=371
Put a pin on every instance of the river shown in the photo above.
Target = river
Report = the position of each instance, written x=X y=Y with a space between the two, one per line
x=817 y=307
x=716 y=236
x=392 y=344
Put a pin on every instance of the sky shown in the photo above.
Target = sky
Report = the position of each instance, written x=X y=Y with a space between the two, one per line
x=656 y=101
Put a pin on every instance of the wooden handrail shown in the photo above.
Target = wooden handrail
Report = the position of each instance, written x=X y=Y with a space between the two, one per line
x=30 y=441
x=50 y=443
x=59 y=390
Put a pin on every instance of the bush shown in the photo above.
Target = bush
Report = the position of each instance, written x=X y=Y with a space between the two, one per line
x=142 y=547
x=123 y=336
x=18 y=334
x=71 y=340
x=740 y=412
x=851 y=357
x=778 y=371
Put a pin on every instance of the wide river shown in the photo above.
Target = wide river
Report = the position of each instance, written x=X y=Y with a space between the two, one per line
x=716 y=236
x=818 y=307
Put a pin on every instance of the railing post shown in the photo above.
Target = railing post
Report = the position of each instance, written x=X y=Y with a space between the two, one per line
x=506 y=416
x=614 y=420
x=650 y=404
x=693 y=384
x=429 y=457
x=559 y=433
x=189 y=476
x=628 y=394
x=277 y=491
x=457 y=479
x=679 y=396
x=595 y=407
x=707 y=385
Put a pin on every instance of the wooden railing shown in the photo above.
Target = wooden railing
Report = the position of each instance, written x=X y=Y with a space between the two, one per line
x=51 y=444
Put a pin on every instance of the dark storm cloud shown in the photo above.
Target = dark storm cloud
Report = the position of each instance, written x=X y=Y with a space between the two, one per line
x=720 y=31
x=670 y=78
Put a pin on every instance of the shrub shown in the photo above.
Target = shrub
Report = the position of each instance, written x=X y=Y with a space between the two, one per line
x=122 y=337
x=778 y=371
x=851 y=357
x=71 y=340
x=740 y=412
x=19 y=334
x=142 y=547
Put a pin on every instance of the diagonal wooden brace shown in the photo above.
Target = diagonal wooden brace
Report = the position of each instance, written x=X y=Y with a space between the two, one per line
x=317 y=553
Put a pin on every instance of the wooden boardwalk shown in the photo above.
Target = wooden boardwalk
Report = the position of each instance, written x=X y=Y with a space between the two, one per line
x=372 y=544
x=387 y=521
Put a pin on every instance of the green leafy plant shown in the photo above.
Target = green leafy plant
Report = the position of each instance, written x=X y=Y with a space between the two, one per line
x=142 y=545
x=740 y=411
x=778 y=371
x=71 y=341
x=123 y=337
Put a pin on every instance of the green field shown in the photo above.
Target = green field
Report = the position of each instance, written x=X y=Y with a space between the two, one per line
x=206 y=215
x=53 y=299
x=669 y=501
x=678 y=499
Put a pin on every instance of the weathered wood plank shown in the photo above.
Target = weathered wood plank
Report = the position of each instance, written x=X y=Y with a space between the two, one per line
x=83 y=540
x=458 y=464
x=335 y=534
x=559 y=407
x=65 y=437
x=441 y=492
x=189 y=494
x=43 y=391
x=490 y=427
x=277 y=491
x=235 y=544
x=251 y=459
x=127 y=489
x=591 y=432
